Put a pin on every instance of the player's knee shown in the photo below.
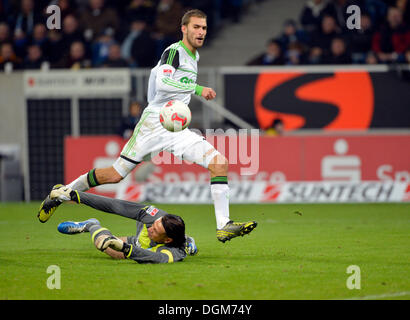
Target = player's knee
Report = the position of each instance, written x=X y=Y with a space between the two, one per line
x=219 y=166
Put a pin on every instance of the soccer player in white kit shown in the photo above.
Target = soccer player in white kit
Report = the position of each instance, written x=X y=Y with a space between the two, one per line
x=173 y=78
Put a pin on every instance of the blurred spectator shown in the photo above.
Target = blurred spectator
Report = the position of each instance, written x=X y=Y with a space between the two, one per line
x=128 y=123
x=315 y=56
x=361 y=39
x=26 y=18
x=8 y=57
x=139 y=48
x=77 y=58
x=40 y=38
x=4 y=33
x=338 y=53
x=271 y=56
x=377 y=10
x=70 y=32
x=20 y=40
x=56 y=48
x=141 y=10
x=371 y=58
x=276 y=128
x=97 y=18
x=114 y=59
x=34 y=58
x=338 y=10
x=295 y=54
x=291 y=34
x=100 y=48
x=393 y=38
x=311 y=15
x=404 y=6
x=67 y=7
x=168 y=23
x=22 y=23
x=323 y=37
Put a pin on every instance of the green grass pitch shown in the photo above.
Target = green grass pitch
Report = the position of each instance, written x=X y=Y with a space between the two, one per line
x=288 y=256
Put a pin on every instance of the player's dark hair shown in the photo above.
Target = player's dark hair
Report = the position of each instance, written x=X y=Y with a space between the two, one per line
x=192 y=13
x=175 y=229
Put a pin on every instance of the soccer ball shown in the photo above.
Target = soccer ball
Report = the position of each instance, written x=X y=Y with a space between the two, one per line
x=175 y=116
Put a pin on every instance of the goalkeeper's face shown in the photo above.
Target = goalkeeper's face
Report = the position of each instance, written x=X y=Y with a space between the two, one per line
x=195 y=31
x=157 y=232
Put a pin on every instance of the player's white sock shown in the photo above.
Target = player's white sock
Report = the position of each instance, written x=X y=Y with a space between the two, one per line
x=84 y=182
x=80 y=184
x=220 y=195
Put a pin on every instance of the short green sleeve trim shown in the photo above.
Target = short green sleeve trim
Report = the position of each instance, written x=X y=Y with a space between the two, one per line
x=198 y=90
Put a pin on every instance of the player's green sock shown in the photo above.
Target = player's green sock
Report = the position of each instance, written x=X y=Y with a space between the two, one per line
x=219 y=180
x=92 y=179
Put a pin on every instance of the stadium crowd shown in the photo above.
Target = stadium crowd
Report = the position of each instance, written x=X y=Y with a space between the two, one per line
x=99 y=33
x=322 y=36
x=133 y=33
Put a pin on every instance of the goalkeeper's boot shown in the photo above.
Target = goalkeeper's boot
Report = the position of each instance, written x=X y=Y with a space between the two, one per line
x=235 y=229
x=190 y=246
x=48 y=206
x=71 y=227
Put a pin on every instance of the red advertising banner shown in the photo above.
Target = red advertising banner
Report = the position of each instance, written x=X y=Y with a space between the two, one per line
x=263 y=169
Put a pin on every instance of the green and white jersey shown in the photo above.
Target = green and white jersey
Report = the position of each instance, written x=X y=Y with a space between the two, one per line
x=174 y=77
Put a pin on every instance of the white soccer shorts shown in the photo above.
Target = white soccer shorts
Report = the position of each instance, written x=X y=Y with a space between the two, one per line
x=150 y=138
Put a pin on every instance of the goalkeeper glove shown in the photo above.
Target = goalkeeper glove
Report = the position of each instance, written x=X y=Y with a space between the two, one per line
x=190 y=246
x=113 y=242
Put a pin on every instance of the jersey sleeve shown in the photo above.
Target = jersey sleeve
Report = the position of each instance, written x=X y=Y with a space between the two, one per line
x=165 y=75
x=148 y=214
x=159 y=254
x=170 y=57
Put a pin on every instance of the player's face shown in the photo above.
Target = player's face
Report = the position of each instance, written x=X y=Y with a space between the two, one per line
x=195 y=31
x=157 y=232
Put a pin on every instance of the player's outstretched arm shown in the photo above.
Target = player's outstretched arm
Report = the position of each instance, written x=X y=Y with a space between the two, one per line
x=140 y=255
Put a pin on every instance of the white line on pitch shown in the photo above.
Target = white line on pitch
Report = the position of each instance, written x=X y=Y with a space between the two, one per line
x=381 y=296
